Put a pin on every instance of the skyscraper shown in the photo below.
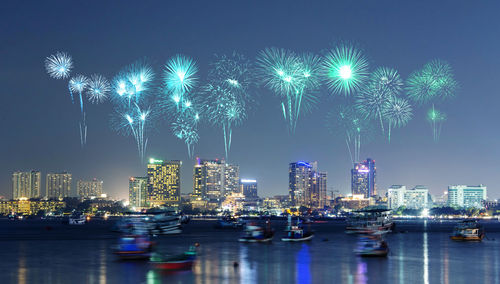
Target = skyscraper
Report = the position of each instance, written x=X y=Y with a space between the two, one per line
x=26 y=184
x=363 y=178
x=164 y=183
x=307 y=185
x=58 y=185
x=89 y=188
x=214 y=179
x=249 y=189
x=299 y=175
x=138 y=192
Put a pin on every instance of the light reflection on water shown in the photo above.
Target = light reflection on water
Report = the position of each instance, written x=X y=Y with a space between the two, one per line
x=421 y=256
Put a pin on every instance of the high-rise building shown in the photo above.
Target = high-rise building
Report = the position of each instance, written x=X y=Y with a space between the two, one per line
x=58 y=185
x=249 y=189
x=468 y=196
x=306 y=185
x=363 y=178
x=231 y=179
x=138 y=192
x=318 y=190
x=164 y=183
x=26 y=184
x=214 y=179
x=416 y=198
x=89 y=188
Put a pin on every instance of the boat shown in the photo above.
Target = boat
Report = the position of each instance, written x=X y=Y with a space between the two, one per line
x=257 y=234
x=77 y=220
x=182 y=261
x=295 y=233
x=134 y=247
x=158 y=222
x=372 y=246
x=229 y=222
x=370 y=221
x=468 y=230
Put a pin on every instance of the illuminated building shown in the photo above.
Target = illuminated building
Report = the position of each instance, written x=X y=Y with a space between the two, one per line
x=164 y=183
x=249 y=188
x=213 y=180
x=416 y=198
x=58 y=185
x=318 y=190
x=26 y=184
x=25 y=206
x=138 y=192
x=89 y=188
x=355 y=201
x=233 y=202
x=466 y=196
x=363 y=178
x=307 y=185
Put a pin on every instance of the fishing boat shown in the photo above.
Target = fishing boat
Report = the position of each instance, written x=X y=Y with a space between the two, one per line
x=257 y=234
x=370 y=221
x=295 y=233
x=229 y=222
x=372 y=246
x=468 y=230
x=134 y=247
x=182 y=261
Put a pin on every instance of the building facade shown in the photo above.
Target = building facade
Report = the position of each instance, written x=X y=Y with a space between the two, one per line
x=26 y=184
x=416 y=198
x=138 y=192
x=58 y=185
x=164 y=183
x=306 y=185
x=213 y=180
x=248 y=187
x=363 y=178
x=25 y=206
x=466 y=196
x=89 y=188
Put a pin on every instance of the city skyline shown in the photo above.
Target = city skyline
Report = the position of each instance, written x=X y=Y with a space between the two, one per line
x=261 y=147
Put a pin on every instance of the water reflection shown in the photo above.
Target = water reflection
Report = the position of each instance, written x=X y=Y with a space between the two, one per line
x=102 y=266
x=22 y=270
x=426 y=259
x=302 y=262
x=361 y=271
x=248 y=272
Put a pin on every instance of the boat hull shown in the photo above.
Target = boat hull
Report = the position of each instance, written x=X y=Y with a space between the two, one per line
x=253 y=240
x=174 y=265
x=308 y=238
x=133 y=255
x=467 y=239
x=376 y=253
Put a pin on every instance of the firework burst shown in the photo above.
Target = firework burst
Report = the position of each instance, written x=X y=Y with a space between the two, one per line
x=59 y=65
x=436 y=119
x=371 y=103
x=132 y=83
x=185 y=127
x=397 y=112
x=78 y=84
x=179 y=78
x=98 y=89
x=384 y=77
x=293 y=78
x=347 y=122
x=345 y=69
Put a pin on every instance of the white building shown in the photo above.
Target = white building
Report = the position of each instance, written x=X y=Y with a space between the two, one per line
x=466 y=196
x=415 y=198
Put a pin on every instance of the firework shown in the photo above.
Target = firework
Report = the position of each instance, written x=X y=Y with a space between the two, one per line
x=436 y=119
x=59 y=65
x=346 y=121
x=225 y=109
x=98 y=89
x=397 y=112
x=345 y=69
x=78 y=84
x=132 y=83
x=185 y=128
x=227 y=95
x=133 y=103
x=293 y=78
x=435 y=82
x=179 y=78
x=384 y=77
x=372 y=101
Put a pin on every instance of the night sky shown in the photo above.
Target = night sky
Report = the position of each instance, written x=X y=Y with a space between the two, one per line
x=39 y=123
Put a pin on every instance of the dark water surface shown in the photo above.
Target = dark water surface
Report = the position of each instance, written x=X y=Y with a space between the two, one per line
x=421 y=252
